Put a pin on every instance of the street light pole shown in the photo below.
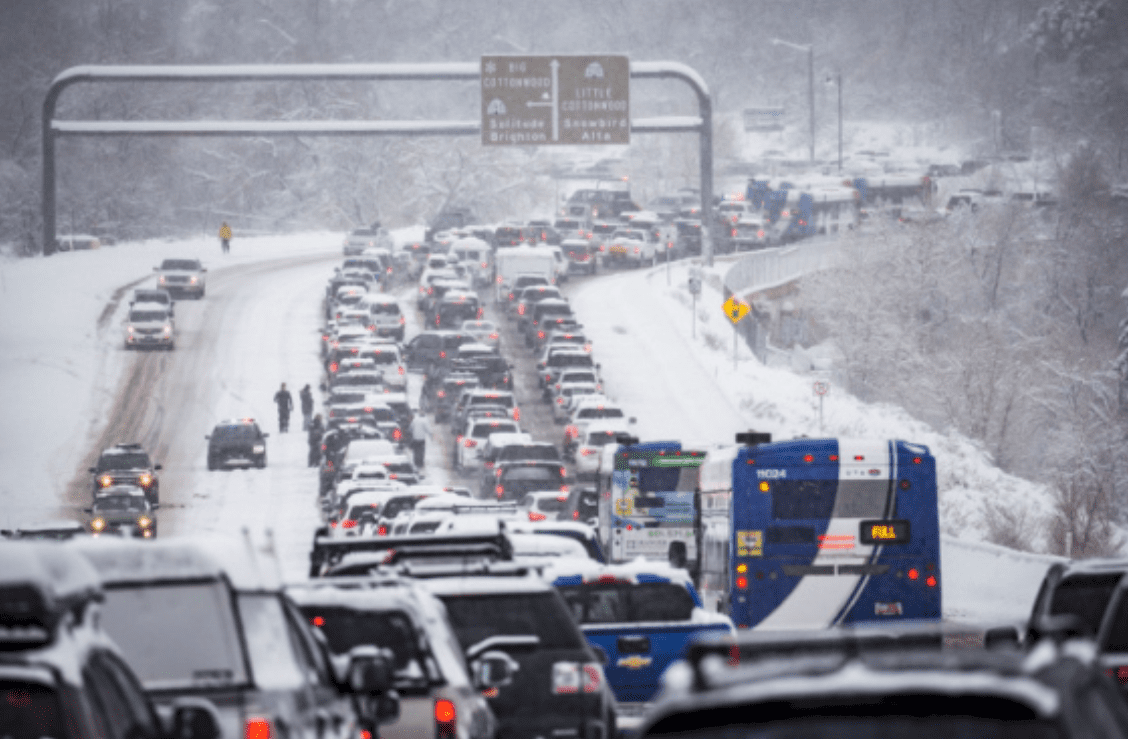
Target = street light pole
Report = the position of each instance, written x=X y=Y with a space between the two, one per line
x=839 y=81
x=810 y=49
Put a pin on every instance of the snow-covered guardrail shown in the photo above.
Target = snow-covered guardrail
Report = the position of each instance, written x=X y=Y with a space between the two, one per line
x=768 y=268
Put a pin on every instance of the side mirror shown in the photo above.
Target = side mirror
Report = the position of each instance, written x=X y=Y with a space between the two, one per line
x=156 y=467
x=493 y=669
x=156 y=269
x=265 y=435
x=194 y=718
x=155 y=506
x=632 y=420
x=600 y=654
x=205 y=269
x=370 y=670
x=88 y=510
x=206 y=436
x=92 y=469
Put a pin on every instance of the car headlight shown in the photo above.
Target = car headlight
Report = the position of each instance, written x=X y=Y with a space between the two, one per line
x=145 y=480
x=258 y=448
x=98 y=524
x=168 y=329
x=144 y=521
x=161 y=280
x=106 y=480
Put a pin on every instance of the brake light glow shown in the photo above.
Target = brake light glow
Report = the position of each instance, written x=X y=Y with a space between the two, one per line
x=535 y=516
x=446 y=725
x=256 y=728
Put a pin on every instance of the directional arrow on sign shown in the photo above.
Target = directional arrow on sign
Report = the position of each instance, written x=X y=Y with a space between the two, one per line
x=735 y=308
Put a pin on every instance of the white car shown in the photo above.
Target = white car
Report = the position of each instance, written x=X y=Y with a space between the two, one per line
x=472 y=445
x=591 y=408
x=544 y=505
x=633 y=247
x=484 y=332
x=596 y=437
x=385 y=315
x=182 y=277
x=568 y=395
x=149 y=325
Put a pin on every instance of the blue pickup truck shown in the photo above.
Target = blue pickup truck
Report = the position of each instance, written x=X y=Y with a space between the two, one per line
x=641 y=615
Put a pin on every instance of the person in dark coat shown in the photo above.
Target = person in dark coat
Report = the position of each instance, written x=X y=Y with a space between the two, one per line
x=285 y=403
x=315 y=431
x=306 y=396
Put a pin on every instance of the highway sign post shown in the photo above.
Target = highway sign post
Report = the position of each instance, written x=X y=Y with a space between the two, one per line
x=821 y=388
x=555 y=99
x=736 y=309
x=694 y=290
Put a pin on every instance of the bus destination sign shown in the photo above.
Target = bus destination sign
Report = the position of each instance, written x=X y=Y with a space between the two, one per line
x=555 y=99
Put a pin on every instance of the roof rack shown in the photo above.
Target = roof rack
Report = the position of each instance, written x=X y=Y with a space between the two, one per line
x=329 y=551
x=40 y=583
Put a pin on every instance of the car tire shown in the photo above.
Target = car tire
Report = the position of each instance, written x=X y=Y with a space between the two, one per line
x=260 y=463
x=213 y=463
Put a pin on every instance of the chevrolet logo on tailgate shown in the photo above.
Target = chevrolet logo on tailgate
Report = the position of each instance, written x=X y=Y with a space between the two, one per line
x=634 y=662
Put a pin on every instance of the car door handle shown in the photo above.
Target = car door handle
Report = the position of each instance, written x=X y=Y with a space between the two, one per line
x=634 y=645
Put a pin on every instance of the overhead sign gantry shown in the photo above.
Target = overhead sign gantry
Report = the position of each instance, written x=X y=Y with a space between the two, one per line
x=572 y=114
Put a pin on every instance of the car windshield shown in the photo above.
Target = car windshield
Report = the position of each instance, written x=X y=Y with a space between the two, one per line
x=586 y=413
x=181 y=264
x=127 y=461
x=483 y=430
x=207 y=650
x=119 y=503
x=603 y=603
x=387 y=309
x=147 y=316
x=29 y=711
x=478 y=617
x=345 y=628
x=601 y=438
x=394 y=506
x=546 y=452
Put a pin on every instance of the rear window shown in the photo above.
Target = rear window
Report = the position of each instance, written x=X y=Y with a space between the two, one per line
x=150 y=316
x=483 y=430
x=536 y=452
x=586 y=413
x=383 y=358
x=605 y=603
x=235 y=433
x=506 y=401
x=384 y=309
x=345 y=628
x=1084 y=596
x=532 y=473
x=543 y=615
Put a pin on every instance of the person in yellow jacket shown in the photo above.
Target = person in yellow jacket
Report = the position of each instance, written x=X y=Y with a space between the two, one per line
x=225 y=237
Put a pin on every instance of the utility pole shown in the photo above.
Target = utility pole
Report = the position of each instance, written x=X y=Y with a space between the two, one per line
x=810 y=49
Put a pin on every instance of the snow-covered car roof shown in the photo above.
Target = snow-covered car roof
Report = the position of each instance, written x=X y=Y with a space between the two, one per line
x=59 y=573
x=204 y=557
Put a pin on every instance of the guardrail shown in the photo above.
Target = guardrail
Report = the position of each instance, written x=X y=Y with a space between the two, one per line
x=770 y=268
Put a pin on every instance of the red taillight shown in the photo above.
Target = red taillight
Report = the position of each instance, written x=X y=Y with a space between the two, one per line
x=587 y=452
x=500 y=489
x=560 y=401
x=441 y=393
x=913 y=573
x=333 y=367
x=382 y=531
x=1120 y=673
x=397 y=435
x=521 y=310
x=930 y=581
x=534 y=516
x=317 y=621
x=742 y=582
x=471 y=443
x=808 y=458
x=401 y=369
x=257 y=728
x=575 y=515
x=446 y=725
x=516 y=414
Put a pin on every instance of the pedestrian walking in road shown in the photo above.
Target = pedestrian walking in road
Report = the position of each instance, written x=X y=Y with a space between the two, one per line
x=225 y=237
x=419 y=431
x=285 y=403
x=315 y=432
x=306 y=396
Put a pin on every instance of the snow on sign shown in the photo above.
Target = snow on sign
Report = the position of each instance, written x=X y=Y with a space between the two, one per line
x=554 y=99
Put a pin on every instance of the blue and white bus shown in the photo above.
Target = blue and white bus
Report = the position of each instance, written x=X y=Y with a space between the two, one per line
x=812 y=533
x=646 y=503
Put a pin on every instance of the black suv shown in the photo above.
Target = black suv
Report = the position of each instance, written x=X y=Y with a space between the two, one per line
x=236 y=440
x=60 y=674
x=127 y=463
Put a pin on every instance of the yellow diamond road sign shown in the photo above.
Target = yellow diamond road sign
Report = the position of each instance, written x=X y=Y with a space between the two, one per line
x=735 y=308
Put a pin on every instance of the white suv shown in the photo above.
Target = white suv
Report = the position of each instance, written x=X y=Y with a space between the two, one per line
x=150 y=325
x=387 y=317
x=182 y=276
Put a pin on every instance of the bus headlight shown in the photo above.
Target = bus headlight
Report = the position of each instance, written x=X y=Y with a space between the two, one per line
x=98 y=524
